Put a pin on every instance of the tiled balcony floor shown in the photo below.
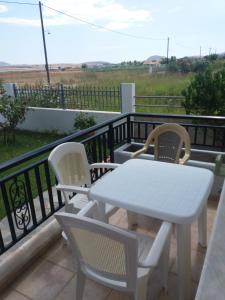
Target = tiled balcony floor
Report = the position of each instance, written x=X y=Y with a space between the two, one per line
x=53 y=275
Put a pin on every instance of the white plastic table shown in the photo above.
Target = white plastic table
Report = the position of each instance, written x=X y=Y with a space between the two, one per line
x=169 y=192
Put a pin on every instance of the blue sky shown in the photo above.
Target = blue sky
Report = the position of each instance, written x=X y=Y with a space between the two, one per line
x=188 y=24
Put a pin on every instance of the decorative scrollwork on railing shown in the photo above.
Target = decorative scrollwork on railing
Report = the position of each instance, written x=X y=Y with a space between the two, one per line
x=20 y=204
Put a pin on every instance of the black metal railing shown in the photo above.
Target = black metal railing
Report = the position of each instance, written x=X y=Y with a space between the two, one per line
x=2 y=90
x=27 y=183
x=72 y=97
x=205 y=132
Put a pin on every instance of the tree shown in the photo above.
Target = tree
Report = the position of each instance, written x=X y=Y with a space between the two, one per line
x=83 y=120
x=206 y=94
x=84 y=66
x=211 y=57
x=163 y=61
x=200 y=66
x=185 y=65
x=14 y=111
x=172 y=65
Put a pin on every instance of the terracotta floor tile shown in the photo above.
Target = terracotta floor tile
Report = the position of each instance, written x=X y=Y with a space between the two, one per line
x=114 y=295
x=172 y=293
x=119 y=219
x=12 y=295
x=43 y=280
x=52 y=276
x=92 y=291
x=61 y=255
x=197 y=260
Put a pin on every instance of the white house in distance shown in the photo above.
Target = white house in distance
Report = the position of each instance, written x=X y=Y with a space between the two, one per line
x=153 y=62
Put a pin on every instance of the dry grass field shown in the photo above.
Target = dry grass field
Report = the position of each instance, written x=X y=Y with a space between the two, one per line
x=37 y=77
x=158 y=84
x=146 y=84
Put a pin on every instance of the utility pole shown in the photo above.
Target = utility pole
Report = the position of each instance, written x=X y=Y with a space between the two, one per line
x=200 y=51
x=44 y=43
x=168 y=43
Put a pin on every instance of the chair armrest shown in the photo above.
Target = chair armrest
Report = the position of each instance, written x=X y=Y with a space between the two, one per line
x=184 y=159
x=218 y=163
x=104 y=165
x=88 y=210
x=157 y=248
x=139 y=152
x=72 y=189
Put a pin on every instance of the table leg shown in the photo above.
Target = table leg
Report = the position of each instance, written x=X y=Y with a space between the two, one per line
x=184 y=261
x=202 y=227
x=101 y=212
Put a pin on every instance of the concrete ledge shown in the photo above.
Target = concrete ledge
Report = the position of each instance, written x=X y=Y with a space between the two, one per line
x=25 y=251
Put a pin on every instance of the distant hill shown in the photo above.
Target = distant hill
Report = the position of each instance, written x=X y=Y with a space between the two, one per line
x=155 y=57
x=4 y=64
x=97 y=63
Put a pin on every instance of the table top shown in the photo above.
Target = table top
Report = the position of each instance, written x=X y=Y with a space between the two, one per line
x=171 y=192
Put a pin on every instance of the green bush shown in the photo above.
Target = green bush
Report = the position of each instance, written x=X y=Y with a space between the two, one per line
x=14 y=111
x=206 y=94
x=83 y=120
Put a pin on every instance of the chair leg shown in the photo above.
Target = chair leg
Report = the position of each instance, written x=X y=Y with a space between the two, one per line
x=80 y=285
x=132 y=219
x=164 y=265
x=142 y=288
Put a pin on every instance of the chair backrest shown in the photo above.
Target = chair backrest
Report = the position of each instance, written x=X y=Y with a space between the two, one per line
x=105 y=253
x=168 y=140
x=70 y=164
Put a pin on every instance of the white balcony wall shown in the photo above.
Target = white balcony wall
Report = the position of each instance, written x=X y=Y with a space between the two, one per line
x=48 y=119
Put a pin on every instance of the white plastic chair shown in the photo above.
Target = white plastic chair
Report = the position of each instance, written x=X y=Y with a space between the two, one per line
x=70 y=164
x=115 y=257
x=168 y=140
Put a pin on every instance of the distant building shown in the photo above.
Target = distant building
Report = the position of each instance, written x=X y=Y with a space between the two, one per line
x=152 y=62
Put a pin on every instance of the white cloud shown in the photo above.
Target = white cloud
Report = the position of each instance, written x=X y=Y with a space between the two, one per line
x=108 y=13
x=19 y=21
x=3 y=8
x=175 y=9
x=117 y=25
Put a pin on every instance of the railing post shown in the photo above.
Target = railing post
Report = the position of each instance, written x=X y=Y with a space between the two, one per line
x=62 y=98
x=15 y=90
x=128 y=130
x=223 y=141
x=10 y=89
x=127 y=94
x=111 y=142
x=8 y=212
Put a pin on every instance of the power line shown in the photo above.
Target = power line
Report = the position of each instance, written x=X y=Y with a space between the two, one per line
x=183 y=46
x=20 y=3
x=189 y=47
x=102 y=27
